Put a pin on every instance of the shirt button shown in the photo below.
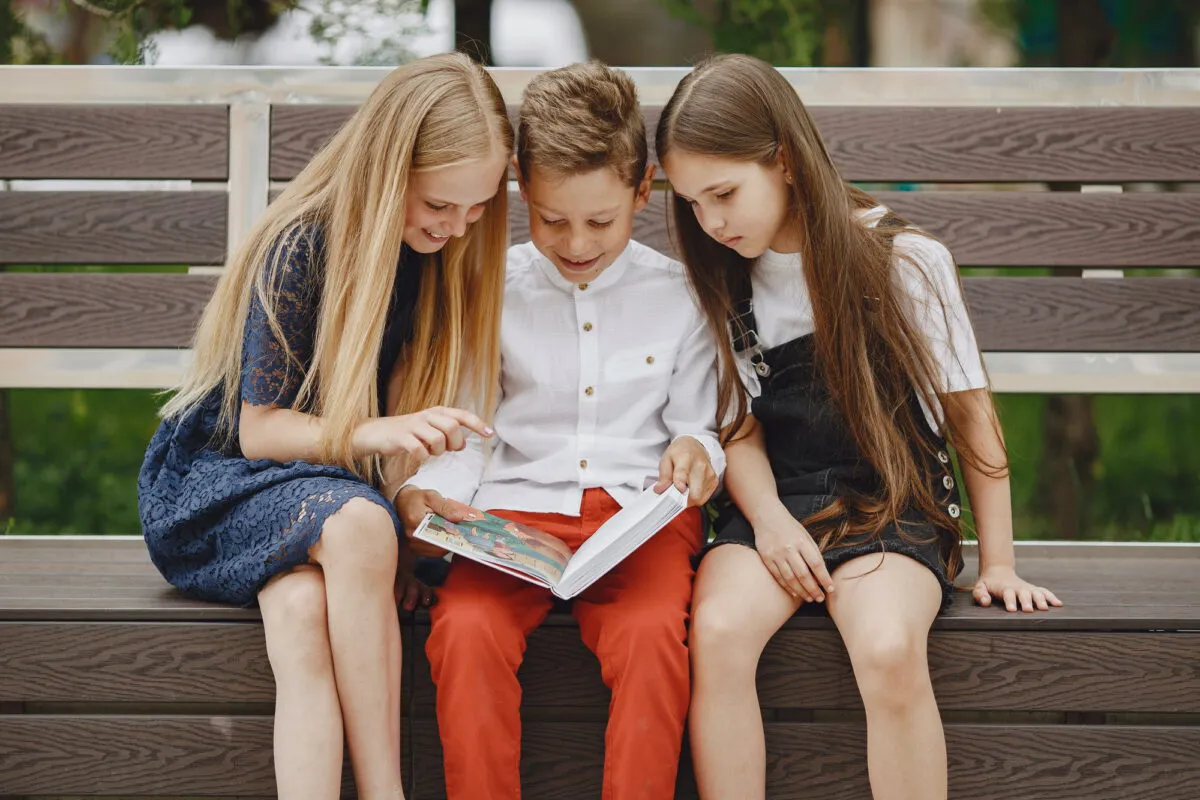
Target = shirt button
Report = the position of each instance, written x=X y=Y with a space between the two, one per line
x=943 y=457
x=947 y=481
x=583 y=463
x=587 y=326
x=583 y=287
x=649 y=359
x=954 y=511
x=589 y=391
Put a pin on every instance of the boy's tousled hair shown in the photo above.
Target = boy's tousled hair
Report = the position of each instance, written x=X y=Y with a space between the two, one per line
x=579 y=118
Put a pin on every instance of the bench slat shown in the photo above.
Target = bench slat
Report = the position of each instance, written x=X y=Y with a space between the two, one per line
x=213 y=756
x=828 y=760
x=114 y=141
x=918 y=144
x=979 y=671
x=972 y=671
x=1058 y=229
x=101 y=310
x=1010 y=314
x=184 y=227
x=1114 y=588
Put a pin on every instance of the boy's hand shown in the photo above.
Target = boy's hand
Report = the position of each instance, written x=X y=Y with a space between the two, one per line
x=413 y=503
x=686 y=464
x=410 y=592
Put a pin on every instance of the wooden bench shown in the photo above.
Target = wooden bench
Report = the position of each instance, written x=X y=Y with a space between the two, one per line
x=112 y=684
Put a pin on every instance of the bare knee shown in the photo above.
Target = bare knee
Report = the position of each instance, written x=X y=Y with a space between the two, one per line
x=296 y=623
x=721 y=641
x=891 y=668
x=360 y=536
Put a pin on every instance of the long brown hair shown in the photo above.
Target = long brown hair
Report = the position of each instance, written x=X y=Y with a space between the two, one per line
x=870 y=355
x=434 y=112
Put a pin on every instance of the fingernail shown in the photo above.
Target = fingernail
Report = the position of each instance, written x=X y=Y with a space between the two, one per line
x=488 y=431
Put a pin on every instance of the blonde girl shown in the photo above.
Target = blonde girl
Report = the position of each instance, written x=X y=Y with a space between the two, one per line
x=364 y=303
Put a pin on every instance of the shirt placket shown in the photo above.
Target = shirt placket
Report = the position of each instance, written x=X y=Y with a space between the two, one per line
x=589 y=391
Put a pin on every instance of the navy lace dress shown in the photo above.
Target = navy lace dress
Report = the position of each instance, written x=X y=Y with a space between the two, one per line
x=219 y=525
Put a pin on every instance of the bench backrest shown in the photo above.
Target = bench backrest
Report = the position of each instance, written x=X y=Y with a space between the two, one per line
x=196 y=155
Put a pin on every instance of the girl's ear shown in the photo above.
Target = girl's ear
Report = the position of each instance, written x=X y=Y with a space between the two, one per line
x=520 y=178
x=781 y=164
x=642 y=198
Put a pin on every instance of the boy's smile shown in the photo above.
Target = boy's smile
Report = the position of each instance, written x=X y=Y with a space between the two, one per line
x=582 y=223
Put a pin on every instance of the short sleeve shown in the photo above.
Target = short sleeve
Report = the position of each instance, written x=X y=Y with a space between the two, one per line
x=273 y=372
x=930 y=280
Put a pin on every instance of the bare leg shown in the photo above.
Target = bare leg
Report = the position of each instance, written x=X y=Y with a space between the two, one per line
x=884 y=617
x=308 y=717
x=357 y=552
x=737 y=608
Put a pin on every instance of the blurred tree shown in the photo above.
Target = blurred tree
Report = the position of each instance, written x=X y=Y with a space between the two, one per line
x=473 y=29
x=786 y=33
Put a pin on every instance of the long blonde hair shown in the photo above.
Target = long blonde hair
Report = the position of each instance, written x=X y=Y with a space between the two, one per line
x=434 y=112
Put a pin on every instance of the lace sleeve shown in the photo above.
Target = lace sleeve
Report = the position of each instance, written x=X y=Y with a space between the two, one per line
x=274 y=363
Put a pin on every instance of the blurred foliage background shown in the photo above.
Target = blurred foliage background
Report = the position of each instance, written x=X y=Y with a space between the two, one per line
x=1114 y=467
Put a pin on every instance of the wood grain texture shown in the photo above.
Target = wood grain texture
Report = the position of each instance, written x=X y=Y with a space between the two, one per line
x=1085 y=315
x=101 y=310
x=113 y=227
x=1009 y=314
x=1058 y=229
x=1123 y=589
x=114 y=141
x=920 y=144
x=230 y=756
x=971 y=671
x=130 y=756
x=961 y=144
x=804 y=760
x=135 y=662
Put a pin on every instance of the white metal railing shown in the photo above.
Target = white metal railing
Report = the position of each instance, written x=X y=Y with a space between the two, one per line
x=251 y=91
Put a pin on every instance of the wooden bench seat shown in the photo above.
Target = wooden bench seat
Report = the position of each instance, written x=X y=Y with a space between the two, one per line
x=112 y=684
x=104 y=664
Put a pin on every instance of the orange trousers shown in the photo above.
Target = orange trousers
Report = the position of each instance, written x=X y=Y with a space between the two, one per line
x=634 y=619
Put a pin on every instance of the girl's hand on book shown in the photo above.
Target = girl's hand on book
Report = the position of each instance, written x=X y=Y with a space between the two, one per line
x=686 y=464
x=416 y=437
x=1004 y=584
x=792 y=557
x=413 y=503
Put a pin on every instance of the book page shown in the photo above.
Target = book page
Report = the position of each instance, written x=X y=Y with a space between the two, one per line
x=625 y=531
x=508 y=546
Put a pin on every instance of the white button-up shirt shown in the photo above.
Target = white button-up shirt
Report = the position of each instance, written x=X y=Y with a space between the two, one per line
x=597 y=379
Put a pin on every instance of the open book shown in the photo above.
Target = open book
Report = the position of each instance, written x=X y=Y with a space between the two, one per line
x=543 y=559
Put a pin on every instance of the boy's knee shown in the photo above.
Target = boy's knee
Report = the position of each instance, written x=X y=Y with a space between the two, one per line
x=471 y=628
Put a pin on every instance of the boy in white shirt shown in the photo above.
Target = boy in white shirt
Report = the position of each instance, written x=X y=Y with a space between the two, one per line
x=608 y=384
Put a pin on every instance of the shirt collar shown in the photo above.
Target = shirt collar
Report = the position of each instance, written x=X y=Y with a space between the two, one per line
x=602 y=281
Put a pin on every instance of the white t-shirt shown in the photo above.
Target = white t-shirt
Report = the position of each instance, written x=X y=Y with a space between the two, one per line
x=783 y=309
x=597 y=379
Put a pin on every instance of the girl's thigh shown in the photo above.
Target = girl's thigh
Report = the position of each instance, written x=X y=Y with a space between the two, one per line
x=737 y=601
